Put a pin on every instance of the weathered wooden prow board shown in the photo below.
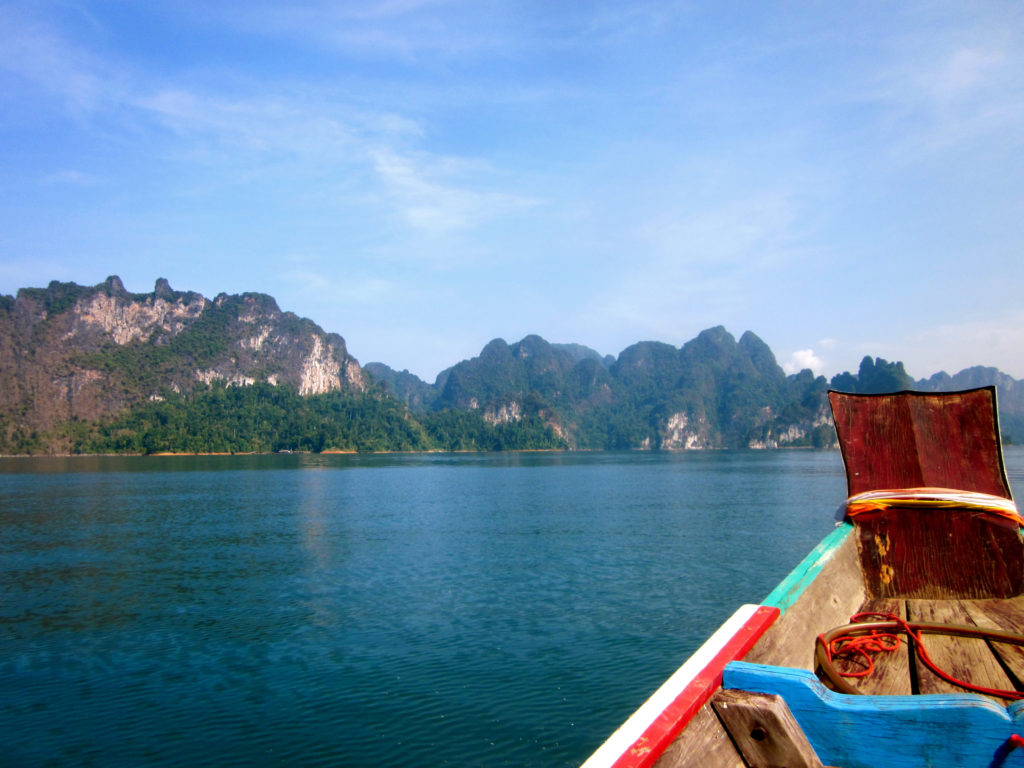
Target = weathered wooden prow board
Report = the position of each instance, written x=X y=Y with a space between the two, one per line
x=945 y=440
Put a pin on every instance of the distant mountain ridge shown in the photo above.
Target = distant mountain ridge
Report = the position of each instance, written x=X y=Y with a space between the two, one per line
x=73 y=356
x=713 y=392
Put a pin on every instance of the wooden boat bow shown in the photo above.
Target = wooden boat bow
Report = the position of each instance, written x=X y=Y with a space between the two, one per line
x=934 y=539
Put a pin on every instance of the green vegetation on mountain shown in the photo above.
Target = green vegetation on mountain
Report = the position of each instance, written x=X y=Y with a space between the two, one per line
x=406 y=387
x=874 y=377
x=256 y=418
x=264 y=418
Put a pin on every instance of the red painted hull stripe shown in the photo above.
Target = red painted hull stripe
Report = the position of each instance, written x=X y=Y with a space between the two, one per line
x=663 y=731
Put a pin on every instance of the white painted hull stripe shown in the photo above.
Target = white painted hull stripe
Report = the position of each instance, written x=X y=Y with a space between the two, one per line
x=634 y=728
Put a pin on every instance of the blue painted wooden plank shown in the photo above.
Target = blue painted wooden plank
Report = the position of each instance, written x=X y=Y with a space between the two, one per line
x=959 y=730
x=790 y=588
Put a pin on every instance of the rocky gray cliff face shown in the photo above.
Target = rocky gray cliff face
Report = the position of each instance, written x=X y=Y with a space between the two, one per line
x=277 y=347
x=113 y=314
x=70 y=352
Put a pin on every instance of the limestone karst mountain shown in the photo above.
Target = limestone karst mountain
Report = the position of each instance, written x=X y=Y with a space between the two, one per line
x=97 y=368
x=70 y=352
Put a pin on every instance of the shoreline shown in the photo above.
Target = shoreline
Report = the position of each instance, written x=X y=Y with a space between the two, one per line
x=353 y=452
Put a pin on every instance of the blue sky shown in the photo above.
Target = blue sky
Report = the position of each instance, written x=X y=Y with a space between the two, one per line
x=423 y=176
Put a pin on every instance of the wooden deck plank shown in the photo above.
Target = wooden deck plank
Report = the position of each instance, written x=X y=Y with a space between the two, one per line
x=891 y=673
x=964 y=658
x=1007 y=615
x=704 y=744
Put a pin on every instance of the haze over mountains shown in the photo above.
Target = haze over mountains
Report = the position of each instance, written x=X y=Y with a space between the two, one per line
x=99 y=368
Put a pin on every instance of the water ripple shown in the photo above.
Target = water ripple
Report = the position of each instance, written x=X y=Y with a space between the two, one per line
x=386 y=611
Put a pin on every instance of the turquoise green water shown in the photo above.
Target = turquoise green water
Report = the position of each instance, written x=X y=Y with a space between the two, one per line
x=412 y=610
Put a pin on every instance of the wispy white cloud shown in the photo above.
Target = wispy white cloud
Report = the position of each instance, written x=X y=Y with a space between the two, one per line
x=688 y=262
x=269 y=124
x=427 y=194
x=402 y=30
x=804 y=359
x=33 y=53
x=958 y=345
x=966 y=70
x=325 y=284
x=72 y=177
x=939 y=90
x=300 y=129
x=747 y=231
x=929 y=348
x=308 y=281
x=369 y=291
x=619 y=171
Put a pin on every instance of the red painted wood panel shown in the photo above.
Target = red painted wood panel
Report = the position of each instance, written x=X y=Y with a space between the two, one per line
x=939 y=554
x=919 y=439
x=915 y=439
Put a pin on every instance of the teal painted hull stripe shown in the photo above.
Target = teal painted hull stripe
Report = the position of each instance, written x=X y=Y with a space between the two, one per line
x=787 y=592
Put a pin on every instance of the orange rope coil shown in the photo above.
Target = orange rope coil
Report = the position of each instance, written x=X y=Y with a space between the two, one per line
x=862 y=637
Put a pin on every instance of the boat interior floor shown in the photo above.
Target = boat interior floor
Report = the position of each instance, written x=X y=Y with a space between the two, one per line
x=983 y=662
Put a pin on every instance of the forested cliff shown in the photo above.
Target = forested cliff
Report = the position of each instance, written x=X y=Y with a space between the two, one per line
x=99 y=369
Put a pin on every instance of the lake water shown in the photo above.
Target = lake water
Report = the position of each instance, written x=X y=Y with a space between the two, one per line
x=388 y=610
